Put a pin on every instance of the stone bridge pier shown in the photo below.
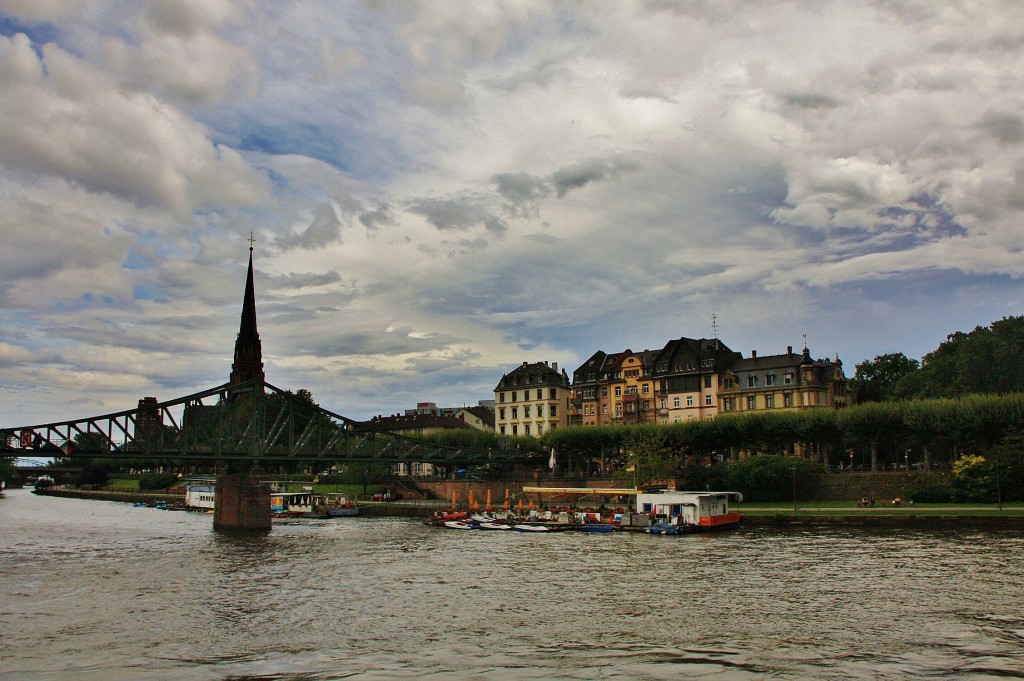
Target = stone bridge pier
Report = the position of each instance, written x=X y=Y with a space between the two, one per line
x=241 y=502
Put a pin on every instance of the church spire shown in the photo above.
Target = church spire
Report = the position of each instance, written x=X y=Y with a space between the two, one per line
x=248 y=363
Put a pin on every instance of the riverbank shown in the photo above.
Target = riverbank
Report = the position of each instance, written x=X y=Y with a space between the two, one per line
x=933 y=515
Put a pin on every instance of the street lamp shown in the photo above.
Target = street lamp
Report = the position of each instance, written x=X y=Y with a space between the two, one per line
x=793 y=471
x=906 y=460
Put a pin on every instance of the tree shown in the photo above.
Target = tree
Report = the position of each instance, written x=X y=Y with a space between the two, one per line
x=771 y=478
x=876 y=380
x=972 y=479
x=986 y=360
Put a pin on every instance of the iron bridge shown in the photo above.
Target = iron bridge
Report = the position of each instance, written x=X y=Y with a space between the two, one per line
x=253 y=421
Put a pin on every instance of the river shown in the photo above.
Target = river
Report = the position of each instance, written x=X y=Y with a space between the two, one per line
x=102 y=590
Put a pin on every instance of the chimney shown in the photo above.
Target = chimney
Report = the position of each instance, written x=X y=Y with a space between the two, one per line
x=753 y=354
x=554 y=366
x=789 y=349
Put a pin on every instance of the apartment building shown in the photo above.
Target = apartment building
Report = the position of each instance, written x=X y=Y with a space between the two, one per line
x=532 y=399
x=788 y=381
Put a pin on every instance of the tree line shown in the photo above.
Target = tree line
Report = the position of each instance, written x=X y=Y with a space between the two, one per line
x=987 y=360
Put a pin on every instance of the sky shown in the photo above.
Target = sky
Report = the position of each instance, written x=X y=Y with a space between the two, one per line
x=439 y=191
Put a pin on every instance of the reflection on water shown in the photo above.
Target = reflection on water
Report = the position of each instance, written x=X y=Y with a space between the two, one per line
x=107 y=591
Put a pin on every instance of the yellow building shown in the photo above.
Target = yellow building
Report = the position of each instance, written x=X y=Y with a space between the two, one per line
x=532 y=399
x=788 y=382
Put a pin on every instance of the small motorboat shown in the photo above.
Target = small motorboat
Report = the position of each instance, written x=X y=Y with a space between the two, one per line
x=494 y=525
x=459 y=525
x=594 y=527
x=524 y=527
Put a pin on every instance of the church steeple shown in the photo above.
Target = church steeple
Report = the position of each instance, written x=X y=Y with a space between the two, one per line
x=248 y=363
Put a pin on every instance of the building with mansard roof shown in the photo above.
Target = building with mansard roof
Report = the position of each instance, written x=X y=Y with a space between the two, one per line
x=687 y=378
x=677 y=383
x=788 y=381
x=532 y=399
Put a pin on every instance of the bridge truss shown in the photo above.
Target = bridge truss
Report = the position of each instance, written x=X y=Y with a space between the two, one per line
x=254 y=422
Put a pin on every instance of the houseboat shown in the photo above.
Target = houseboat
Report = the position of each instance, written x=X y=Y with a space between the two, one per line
x=690 y=511
x=199 y=496
x=307 y=504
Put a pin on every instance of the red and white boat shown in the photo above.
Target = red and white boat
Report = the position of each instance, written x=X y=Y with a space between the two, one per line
x=690 y=511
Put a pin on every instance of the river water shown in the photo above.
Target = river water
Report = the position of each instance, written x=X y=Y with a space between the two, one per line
x=102 y=590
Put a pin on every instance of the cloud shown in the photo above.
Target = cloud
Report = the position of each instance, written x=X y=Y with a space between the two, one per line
x=441 y=191
x=458 y=214
x=63 y=118
x=581 y=174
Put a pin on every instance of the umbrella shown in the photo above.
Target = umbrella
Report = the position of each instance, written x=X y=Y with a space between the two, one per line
x=531 y=504
x=552 y=462
x=505 y=505
x=453 y=500
x=520 y=504
x=472 y=501
x=488 y=506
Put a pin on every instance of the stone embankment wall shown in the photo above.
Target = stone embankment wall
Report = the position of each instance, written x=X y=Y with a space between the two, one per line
x=853 y=486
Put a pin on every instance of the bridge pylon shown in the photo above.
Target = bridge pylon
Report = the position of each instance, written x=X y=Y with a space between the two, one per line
x=241 y=502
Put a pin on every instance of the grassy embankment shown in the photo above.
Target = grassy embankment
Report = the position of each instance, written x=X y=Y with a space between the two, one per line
x=846 y=508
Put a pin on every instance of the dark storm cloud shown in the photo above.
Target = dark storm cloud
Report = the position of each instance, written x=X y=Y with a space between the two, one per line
x=593 y=170
x=455 y=214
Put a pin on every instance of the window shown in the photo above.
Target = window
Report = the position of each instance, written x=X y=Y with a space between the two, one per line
x=513 y=395
x=727 y=404
x=540 y=411
x=515 y=413
x=540 y=429
x=788 y=378
x=689 y=400
x=604 y=409
x=501 y=397
x=675 y=402
x=751 y=402
x=769 y=379
x=501 y=413
x=526 y=429
x=708 y=400
x=647 y=388
x=554 y=410
x=618 y=390
x=787 y=399
x=515 y=430
x=526 y=412
x=502 y=430
x=751 y=383
x=707 y=381
x=769 y=401
x=552 y=394
x=540 y=393
x=618 y=409
x=604 y=392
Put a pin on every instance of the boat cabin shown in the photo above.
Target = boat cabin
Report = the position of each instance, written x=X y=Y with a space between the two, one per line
x=296 y=503
x=199 y=496
x=699 y=510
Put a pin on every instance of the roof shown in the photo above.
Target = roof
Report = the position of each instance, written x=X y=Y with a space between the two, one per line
x=537 y=374
x=401 y=422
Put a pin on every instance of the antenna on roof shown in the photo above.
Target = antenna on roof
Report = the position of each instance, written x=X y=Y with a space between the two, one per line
x=714 y=326
x=805 y=341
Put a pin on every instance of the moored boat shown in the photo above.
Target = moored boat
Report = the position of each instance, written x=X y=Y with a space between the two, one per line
x=339 y=505
x=688 y=511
